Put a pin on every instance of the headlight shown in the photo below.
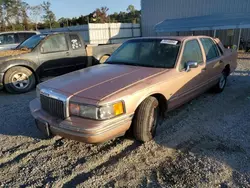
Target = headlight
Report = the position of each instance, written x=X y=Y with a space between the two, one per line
x=98 y=113
x=38 y=92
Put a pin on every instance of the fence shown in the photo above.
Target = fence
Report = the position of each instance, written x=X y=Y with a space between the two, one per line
x=107 y=33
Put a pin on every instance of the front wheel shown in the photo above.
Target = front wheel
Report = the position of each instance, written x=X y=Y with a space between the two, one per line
x=146 y=119
x=19 y=80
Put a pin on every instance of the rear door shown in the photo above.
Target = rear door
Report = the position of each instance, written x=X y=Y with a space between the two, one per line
x=55 y=55
x=78 y=51
x=214 y=63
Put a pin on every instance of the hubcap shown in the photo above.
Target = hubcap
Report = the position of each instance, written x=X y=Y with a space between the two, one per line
x=20 y=80
x=222 y=82
x=154 y=120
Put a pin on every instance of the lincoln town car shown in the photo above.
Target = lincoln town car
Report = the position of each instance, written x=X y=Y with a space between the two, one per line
x=140 y=82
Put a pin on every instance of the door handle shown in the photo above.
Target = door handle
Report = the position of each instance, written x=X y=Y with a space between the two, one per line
x=204 y=69
x=221 y=62
x=67 y=53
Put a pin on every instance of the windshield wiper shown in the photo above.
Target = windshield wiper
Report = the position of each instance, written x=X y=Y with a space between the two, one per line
x=121 y=63
x=131 y=64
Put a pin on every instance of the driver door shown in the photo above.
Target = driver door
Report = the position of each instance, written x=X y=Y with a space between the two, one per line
x=55 y=56
x=189 y=84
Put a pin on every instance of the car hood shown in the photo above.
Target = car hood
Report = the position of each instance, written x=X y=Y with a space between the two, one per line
x=100 y=81
x=9 y=54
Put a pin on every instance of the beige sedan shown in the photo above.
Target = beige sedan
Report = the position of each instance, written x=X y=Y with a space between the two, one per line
x=132 y=90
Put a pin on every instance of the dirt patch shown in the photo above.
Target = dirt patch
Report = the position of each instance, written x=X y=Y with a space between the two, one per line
x=14 y=52
x=205 y=143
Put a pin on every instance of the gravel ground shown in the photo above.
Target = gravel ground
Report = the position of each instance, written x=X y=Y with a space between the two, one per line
x=203 y=144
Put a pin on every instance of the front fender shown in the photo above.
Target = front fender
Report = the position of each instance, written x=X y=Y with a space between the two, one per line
x=160 y=97
x=4 y=66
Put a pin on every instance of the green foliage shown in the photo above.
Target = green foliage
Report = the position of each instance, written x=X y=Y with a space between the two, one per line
x=35 y=14
x=18 y=15
x=100 y=15
x=49 y=17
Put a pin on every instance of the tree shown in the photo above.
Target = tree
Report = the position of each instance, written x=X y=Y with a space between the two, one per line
x=11 y=12
x=102 y=15
x=25 y=19
x=49 y=16
x=131 y=9
x=35 y=14
x=2 y=22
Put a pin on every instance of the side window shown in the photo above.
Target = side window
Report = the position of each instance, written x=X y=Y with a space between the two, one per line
x=21 y=37
x=75 y=41
x=7 y=39
x=24 y=36
x=55 y=43
x=192 y=52
x=210 y=48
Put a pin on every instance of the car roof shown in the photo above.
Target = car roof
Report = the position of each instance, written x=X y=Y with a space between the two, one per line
x=9 y=32
x=56 y=32
x=178 y=38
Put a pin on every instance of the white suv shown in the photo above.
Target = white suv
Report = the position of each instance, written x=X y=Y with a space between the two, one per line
x=10 y=40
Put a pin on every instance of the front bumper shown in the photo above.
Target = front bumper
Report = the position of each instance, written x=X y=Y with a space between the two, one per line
x=84 y=130
x=1 y=80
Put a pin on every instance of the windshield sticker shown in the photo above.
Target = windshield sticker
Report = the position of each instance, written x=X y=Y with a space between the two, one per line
x=172 y=42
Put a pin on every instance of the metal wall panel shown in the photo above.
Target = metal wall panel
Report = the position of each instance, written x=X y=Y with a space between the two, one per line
x=155 y=11
x=103 y=33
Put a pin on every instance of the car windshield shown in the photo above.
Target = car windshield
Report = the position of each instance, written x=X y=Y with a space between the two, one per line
x=31 y=42
x=147 y=52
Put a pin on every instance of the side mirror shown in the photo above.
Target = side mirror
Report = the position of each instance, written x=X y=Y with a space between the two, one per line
x=191 y=64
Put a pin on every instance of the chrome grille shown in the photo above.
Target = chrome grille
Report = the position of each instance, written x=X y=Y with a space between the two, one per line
x=53 y=106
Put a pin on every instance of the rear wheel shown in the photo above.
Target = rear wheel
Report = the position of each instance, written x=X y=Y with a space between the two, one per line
x=19 y=80
x=220 y=86
x=146 y=120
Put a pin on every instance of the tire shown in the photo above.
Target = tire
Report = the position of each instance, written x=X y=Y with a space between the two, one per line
x=247 y=49
x=146 y=119
x=103 y=59
x=220 y=86
x=19 y=80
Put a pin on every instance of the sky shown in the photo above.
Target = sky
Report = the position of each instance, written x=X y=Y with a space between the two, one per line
x=75 y=8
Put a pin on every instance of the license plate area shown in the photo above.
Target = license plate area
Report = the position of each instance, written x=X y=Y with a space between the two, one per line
x=44 y=127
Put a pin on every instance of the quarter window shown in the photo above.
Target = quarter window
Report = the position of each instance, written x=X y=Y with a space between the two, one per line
x=192 y=52
x=55 y=43
x=75 y=41
x=210 y=48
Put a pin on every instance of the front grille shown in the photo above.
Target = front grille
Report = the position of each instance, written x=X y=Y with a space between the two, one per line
x=54 y=107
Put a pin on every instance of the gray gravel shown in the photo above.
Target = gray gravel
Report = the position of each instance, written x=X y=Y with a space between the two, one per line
x=205 y=143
